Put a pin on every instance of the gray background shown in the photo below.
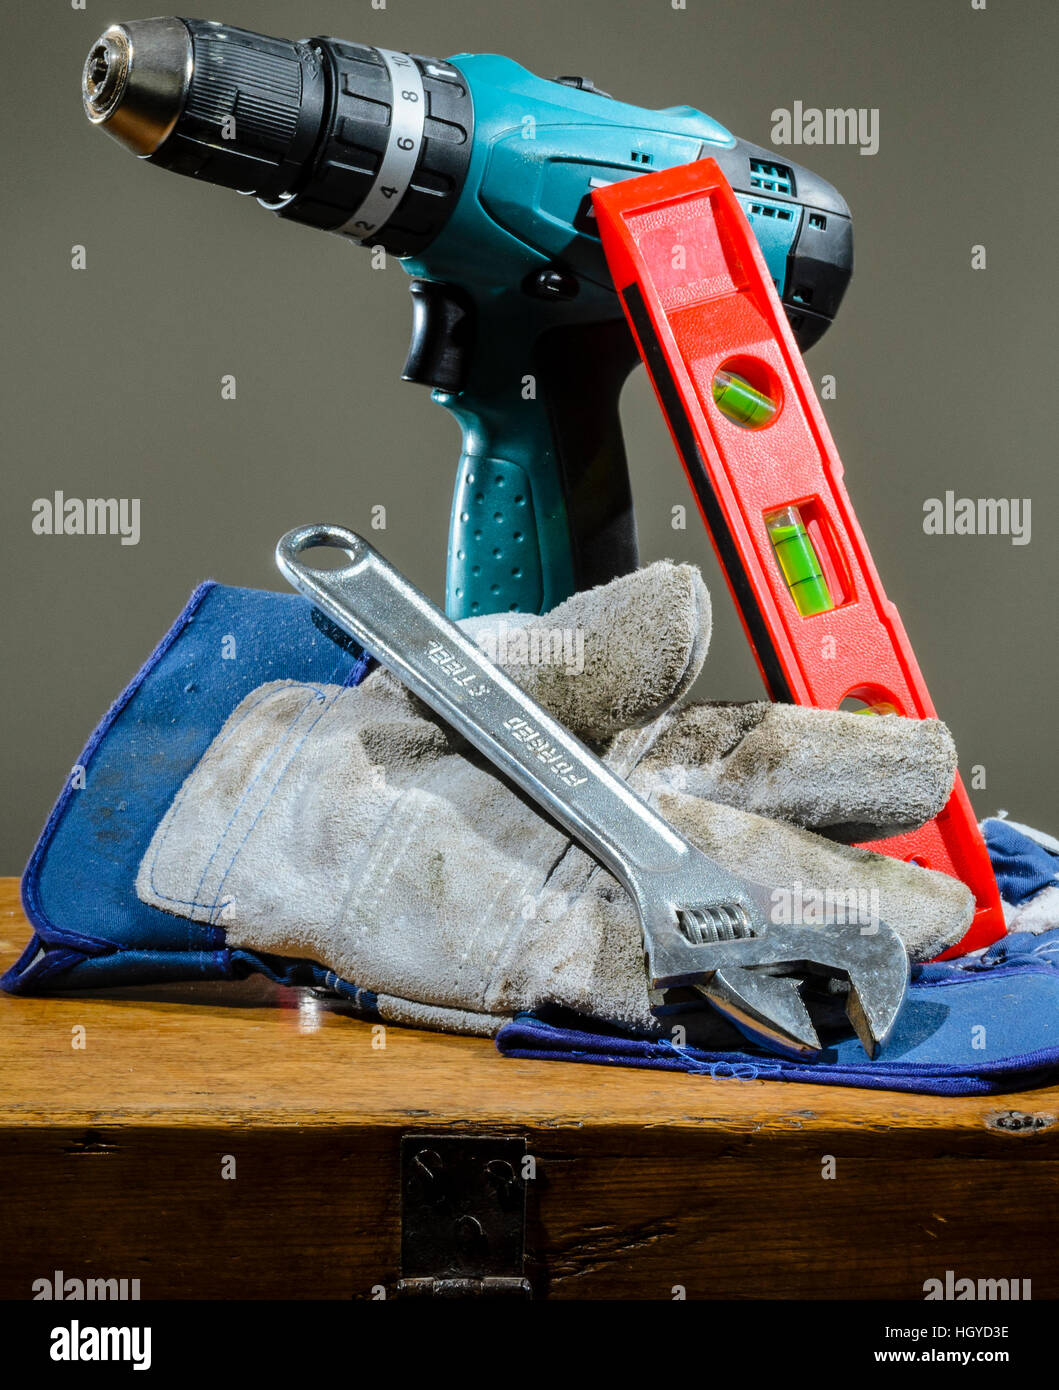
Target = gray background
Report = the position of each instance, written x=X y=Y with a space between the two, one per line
x=112 y=375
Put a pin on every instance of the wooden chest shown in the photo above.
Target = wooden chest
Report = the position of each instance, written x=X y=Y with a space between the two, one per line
x=252 y=1141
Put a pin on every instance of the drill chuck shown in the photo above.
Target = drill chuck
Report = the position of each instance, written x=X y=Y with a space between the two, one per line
x=353 y=139
x=136 y=80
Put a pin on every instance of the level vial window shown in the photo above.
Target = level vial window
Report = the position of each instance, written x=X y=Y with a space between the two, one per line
x=740 y=402
x=798 y=562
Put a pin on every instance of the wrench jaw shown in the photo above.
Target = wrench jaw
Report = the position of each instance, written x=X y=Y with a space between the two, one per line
x=877 y=970
x=753 y=980
x=767 y=1009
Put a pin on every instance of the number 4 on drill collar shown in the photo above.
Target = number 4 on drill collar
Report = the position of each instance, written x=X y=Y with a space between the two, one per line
x=759 y=456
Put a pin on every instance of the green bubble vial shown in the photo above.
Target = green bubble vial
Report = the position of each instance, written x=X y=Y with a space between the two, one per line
x=798 y=562
x=740 y=402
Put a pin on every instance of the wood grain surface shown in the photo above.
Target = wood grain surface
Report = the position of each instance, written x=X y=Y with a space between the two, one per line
x=111 y=1157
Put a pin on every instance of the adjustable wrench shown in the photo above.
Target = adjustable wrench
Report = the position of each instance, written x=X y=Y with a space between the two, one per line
x=704 y=927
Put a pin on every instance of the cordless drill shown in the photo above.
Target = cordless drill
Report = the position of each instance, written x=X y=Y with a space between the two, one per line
x=478 y=176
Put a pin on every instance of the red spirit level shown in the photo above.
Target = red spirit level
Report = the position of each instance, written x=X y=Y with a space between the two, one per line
x=760 y=458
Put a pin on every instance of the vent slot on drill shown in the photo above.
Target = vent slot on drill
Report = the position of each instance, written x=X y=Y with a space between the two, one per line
x=771 y=178
x=763 y=210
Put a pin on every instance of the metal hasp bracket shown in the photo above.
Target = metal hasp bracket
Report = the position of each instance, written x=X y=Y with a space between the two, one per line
x=463 y=1216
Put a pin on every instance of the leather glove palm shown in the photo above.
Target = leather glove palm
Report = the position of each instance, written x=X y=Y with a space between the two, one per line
x=352 y=827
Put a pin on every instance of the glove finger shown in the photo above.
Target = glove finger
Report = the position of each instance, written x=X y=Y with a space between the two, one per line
x=928 y=910
x=848 y=776
x=611 y=657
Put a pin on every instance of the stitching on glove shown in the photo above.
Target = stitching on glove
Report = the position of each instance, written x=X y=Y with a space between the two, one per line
x=399 y=830
x=488 y=980
x=400 y=825
x=214 y=752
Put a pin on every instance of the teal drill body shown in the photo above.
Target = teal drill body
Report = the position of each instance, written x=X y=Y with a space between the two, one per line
x=539 y=148
x=541 y=504
x=478 y=176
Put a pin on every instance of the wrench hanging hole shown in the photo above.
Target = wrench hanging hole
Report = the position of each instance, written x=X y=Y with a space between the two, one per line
x=322 y=548
x=325 y=557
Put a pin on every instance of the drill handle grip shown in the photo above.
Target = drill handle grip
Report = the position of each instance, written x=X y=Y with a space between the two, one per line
x=542 y=505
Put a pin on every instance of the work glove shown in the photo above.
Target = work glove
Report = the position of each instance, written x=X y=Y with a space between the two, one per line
x=354 y=828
